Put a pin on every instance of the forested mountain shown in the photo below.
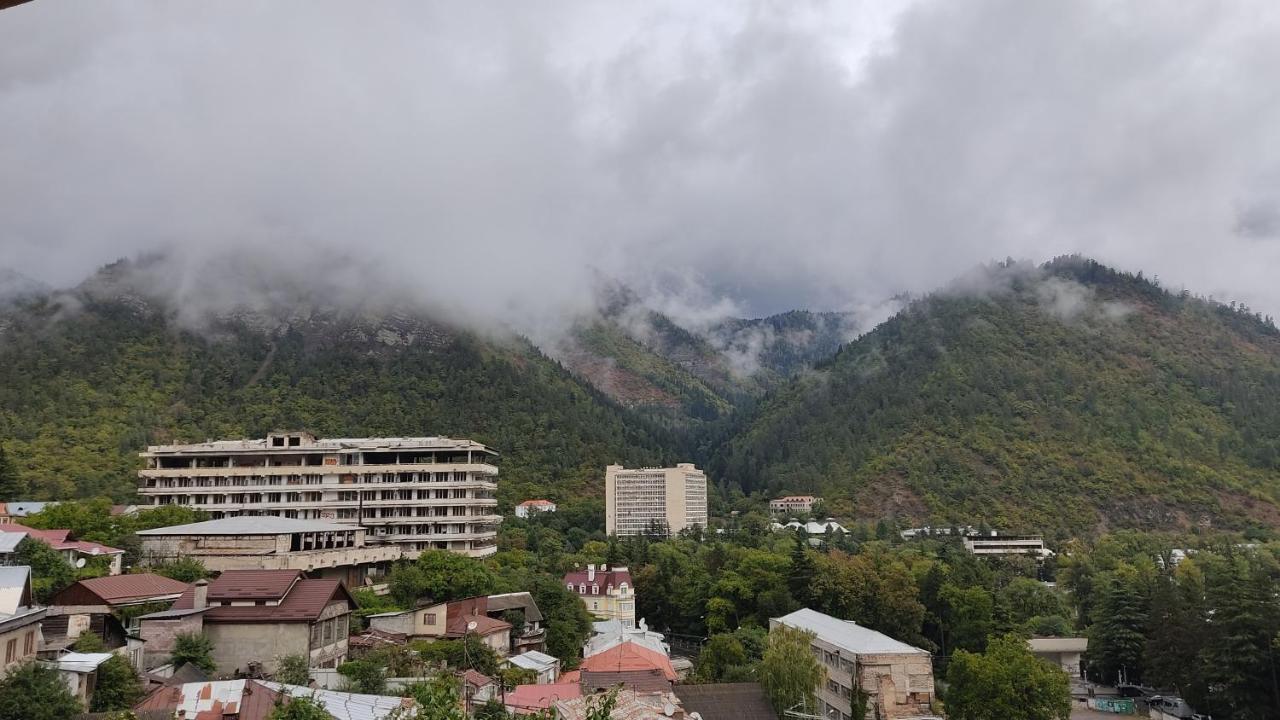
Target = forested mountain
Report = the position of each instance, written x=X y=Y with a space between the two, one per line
x=89 y=377
x=1068 y=397
x=689 y=378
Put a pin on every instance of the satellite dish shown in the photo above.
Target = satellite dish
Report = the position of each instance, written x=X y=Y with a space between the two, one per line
x=472 y=625
x=668 y=709
x=80 y=563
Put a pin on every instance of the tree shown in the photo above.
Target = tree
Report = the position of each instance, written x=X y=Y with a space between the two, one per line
x=802 y=571
x=293 y=670
x=720 y=654
x=32 y=691
x=441 y=576
x=11 y=486
x=299 y=708
x=788 y=671
x=466 y=653
x=436 y=699
x=364 y=676
x=49 y=570
x=601 y=705
x=1117 y=640
x=184 y=569
x=1240 y=659
x=118 y=686
x=967 y=617
x=1006 y=681
x=193 y=648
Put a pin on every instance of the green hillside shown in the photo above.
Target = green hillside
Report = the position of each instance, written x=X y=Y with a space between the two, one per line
x=1064 y=398
x=88 y=379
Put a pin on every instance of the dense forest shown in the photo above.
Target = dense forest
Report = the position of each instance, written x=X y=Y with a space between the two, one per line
x=1060 y=398
x=88 y=380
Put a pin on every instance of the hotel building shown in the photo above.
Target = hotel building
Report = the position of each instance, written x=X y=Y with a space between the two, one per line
x=667 y=500
x=427 y=493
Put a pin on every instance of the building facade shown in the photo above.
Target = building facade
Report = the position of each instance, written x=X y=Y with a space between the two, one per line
x=607 y=594
x=793 y=504
x=532 y=507
x=897 y=678
x=321 y=549
x=425 y=493
x=20 y=618
x=648 y=500
x=993 y=544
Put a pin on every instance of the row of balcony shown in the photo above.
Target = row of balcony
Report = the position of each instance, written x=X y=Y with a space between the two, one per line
x=329 y=472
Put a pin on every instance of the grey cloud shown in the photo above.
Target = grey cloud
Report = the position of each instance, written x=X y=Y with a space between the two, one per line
x=725 y=158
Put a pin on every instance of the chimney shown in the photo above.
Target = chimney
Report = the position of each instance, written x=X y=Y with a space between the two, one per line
x=201 y=600
x=591 y=572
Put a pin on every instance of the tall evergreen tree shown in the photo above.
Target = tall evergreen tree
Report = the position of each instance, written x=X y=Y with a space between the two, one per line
x=1117 y=640
x=801 y=573
x=1240 y=659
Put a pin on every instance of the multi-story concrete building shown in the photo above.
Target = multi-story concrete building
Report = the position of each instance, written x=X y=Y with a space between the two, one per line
x=793 y=504
x=319 y=548
x=646 y=500
x=896 y=677
x=993 y=544
x=424 y=493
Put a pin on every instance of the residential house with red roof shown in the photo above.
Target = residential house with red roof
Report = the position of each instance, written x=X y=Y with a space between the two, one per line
x=629 y=664
x=71 y=549
x=107 y=607
x=532 y=507
x=256 y=617
x=607 y=594
x=482 y=615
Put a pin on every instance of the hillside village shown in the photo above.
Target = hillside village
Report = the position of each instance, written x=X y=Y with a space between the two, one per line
x=374 y=574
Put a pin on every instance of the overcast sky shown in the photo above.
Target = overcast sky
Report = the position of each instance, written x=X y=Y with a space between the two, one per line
x=736 y=157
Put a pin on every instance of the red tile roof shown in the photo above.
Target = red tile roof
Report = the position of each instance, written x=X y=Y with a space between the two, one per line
x=535 y=503
x=476 y=679
x=58 y=539
x=115 y=589
x=626 y=657
x=527 y=699
x=604 y=578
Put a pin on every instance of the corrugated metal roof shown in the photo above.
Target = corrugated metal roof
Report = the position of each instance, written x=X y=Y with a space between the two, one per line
x=249 y=525
x=246 y=699
x=726 y=701
x=81 y=662
x=118 y=588
x=628 y=657
x=846 y=634
x=517 y=600
x=298 y=599
x=344 y=705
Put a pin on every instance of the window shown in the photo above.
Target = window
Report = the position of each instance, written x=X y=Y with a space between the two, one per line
x=429 y=618
x=315 y=635
x=29 y=644
x=11 y=651
x=833 y=686
x=570 y=586
x=595 y=589
x=582 y=589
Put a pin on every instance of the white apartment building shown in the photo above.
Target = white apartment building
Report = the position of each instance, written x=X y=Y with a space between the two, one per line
x=420 y=493
x=637 y=501
x=994 y=544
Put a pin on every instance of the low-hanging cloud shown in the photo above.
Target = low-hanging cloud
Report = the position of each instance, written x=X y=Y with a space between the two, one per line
x=496 y=159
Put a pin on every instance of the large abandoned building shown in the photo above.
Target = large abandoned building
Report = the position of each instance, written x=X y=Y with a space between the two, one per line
x=420 y=493
x=319 y=548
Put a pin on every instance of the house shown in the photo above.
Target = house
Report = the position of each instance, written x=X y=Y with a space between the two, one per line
x=482 y=615
x=607 y=594
x=793 y=504
x=80 y=672
x=9 y=546
x=726 y=701
x=993 y=544
x=360 y=644
x=20 y=618
x=477 y=689
x=628 y=664
x=319 y=548
x=897 y=678
x=23 y=508
x=72 y=550
x=609 y=633
x=1063 y=652
x=255 y=617
x=532 y=507
x=544 y=666
x=102 y=605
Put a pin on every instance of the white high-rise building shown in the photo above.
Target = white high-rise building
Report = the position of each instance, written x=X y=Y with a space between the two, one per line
x=647 y=499
x=421 y=493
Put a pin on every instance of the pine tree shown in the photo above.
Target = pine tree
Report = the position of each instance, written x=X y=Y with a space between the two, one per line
x=1240 y=660
x=801 y=573
x=1117 y=640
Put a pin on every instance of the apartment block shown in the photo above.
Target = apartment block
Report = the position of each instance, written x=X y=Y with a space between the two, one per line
x=421 y=493
x=645 y=500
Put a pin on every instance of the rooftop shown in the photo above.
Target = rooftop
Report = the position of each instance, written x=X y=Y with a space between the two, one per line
x=81 y=662
x=59 y=539
x=344 y=705
x=1058 y=644
x=726 y=701
x=334 y=444
x=626 y=657
x=123 y=588
x=846 y=635
x=533 y=660
x=299 y=599
x=250 y=525
x=540 y=697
